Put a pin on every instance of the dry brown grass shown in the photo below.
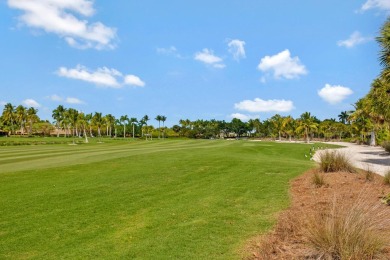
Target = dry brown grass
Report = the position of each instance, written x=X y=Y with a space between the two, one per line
x=343 y=219
x=386 y=178
x=335 y=161
x=318 y=179
x=351 y=231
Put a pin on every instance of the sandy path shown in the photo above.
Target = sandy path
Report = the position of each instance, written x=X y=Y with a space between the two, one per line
x=365 y=157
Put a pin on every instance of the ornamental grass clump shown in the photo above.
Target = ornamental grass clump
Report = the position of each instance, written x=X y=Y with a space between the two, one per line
x=386 y=178
x=386 y=145
x=355 y=231
x=335 y=161
x=318 y=180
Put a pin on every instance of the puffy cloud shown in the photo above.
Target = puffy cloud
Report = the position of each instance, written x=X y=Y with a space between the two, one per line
x=72 y=100
x=55 y=98
x=334 y=94
x=207 y=56
x=134 y=81
x=237 y=49
x=102 y=76
x=31 y=103
x=354 y=39
x=244 y=117
x=68 y=100
x=260 y=105
x=383 y=5
x=167 y=51
x=282 y=65
x=60 y=17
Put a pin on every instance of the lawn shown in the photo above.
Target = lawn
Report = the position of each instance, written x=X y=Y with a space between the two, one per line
x=160 y=199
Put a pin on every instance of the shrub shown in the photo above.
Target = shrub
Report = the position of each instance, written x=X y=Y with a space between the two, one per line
x=335 y=161
x=318 y=180
x=386 y=179
x=369 y=174
x=386 y=145
x=348 y=232
x=386 y=199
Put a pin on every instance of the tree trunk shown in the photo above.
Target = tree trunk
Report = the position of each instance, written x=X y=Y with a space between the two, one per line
x=86 y=136
x=372 y=139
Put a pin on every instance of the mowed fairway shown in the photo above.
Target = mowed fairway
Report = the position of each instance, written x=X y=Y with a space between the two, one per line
x=160 y=199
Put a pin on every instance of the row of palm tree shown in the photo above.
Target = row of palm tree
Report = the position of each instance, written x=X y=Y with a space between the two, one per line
x=71 y=122
x=277 y=127
x=372 y=112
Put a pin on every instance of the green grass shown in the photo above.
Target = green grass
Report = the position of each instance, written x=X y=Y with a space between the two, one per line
x=160 y=199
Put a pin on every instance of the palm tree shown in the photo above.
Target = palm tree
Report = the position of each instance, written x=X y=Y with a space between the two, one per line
x=133 y=120
x=32 y=117
x=98 y=121
x=288 y=126
x=307 y=123
x=124 y=119
x=21 y=117
x=343 y=117
x=9 y=115
x=58 y=116
x=163 y=119
x=83 y=122
x=384 y=42
x=144 y=121
x=110 y=121
x=277 y=122
x=158 y=118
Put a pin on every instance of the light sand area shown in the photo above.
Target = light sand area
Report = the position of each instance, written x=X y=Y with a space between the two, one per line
x=373 y=158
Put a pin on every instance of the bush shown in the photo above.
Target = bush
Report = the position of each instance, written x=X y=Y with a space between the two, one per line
x=318 y=180
x=335 y=161
x=386 y=179
x=386 y=199
x=386 y=145
x=348 y=232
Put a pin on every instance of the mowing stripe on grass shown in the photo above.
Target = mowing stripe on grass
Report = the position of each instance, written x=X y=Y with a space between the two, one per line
x=143 y=200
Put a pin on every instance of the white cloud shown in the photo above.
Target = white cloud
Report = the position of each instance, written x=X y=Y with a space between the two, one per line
x=60 y=17
x=354 y=39
x=244 y=117
x=282 y=65
x=69 y=100
x=31 y=103
x=334 y=94
x=55 y=98
x=260 y=105
x=102 y=76
x=237 y=49
x=207 y=56
x=167 y=51
x=383 y=5
x=134 y=81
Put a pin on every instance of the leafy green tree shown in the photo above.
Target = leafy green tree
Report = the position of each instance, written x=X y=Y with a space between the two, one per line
x=21 y=117
x=133 y=121
x=158 y=118
x=9 y=116
x=58 y=116
x=110 y=121
x=343 y=117
x=124 y=119
x=307 y=123
x=98 y=121
x=32 y=117
x=163 y=119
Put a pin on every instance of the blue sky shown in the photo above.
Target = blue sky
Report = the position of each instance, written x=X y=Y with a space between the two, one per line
x=189 y=59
